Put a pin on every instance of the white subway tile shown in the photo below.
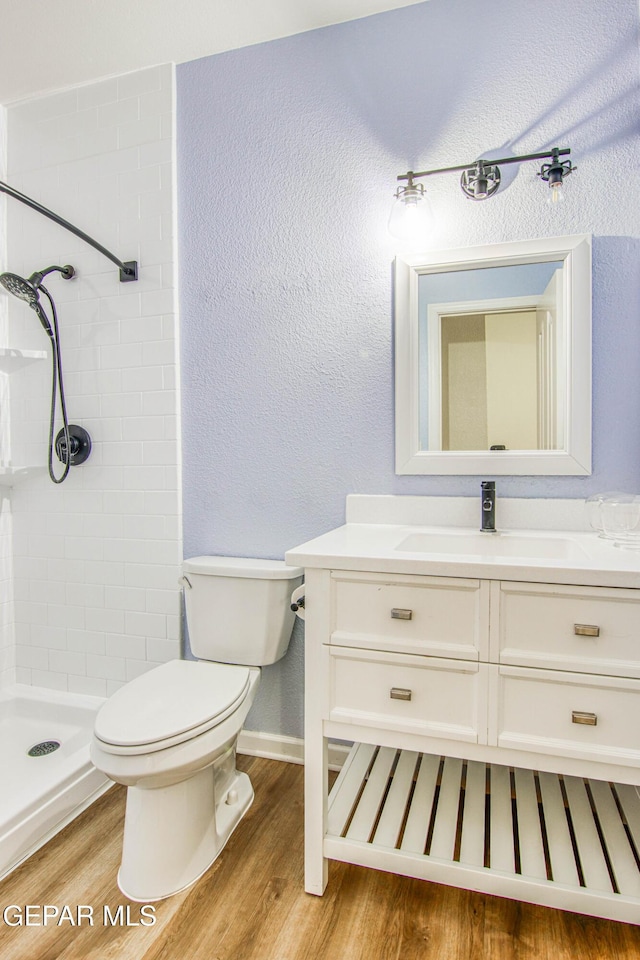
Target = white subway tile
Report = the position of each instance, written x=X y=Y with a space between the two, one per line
x=123 y=452
x=147 y=527
x=158 y=151
x=109 y=668
x=125 y=598
x=124 y=645
x=152 y=576
x=118 y=112
x=65 y=615
x=154 y=302
x=51 y=637
x=86 y=641
x=100 y=619
x=65 y=662
x=164 y=601
x=161 y=503
x=146 y=130
x=158 y=352
x=85 y=594
x=142 y=379
x=95 y=94
x=126 y=551
x=143 y=428
x=140 y=82
x=123 y=405
x=162 y=650
x=52 y=681
x=106 y=572
x=66 y=571
x=83 y=548
x=142 y=329
x=36 y=658
x=158 y=402
x=90 y=686
x=162 y=452
x=144 y=478
x=146 y=624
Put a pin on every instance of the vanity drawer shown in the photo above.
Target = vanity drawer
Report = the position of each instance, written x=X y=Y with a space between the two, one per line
x=430 y=696
x=436 y=616
x=589 y=630
x=568 y=714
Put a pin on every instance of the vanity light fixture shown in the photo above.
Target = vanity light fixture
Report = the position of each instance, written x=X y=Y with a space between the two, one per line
x=479 y=181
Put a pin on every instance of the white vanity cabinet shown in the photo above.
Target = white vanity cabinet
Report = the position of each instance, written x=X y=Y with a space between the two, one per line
x=495 y=726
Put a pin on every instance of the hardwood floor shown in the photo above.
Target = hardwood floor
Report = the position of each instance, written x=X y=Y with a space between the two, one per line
x=251 y=904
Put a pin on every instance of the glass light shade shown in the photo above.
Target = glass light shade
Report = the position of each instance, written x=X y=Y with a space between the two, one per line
x=411 y=217
x=556 y=193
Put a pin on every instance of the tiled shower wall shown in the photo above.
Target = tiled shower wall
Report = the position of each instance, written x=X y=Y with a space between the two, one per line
x=7 y=647
x=96 y=559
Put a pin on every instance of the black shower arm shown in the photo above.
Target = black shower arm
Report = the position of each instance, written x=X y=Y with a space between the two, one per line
x=128 y=268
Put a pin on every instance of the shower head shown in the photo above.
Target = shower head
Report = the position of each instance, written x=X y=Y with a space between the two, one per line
x=28 y=290
x=19 y=287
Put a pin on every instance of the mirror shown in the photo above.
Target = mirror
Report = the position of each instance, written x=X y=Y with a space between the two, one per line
x=493 y=359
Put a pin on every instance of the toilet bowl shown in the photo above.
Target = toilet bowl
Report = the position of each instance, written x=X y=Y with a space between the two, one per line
x=170 y=735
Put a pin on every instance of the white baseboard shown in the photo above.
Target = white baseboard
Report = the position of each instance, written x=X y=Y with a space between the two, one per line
x=275 y=746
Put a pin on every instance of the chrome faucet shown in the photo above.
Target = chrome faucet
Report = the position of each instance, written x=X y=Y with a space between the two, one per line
x=488 y=502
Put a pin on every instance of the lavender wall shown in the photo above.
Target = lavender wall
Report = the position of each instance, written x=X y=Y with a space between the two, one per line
x=287 y=158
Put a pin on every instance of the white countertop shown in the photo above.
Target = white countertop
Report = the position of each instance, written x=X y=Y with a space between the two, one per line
x=548 y=556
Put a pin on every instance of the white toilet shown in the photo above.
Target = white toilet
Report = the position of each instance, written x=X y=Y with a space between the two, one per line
x=170 y=735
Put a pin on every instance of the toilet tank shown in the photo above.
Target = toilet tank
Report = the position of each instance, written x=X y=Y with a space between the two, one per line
x=239 y=610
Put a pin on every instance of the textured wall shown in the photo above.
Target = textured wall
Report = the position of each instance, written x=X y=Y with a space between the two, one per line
x=96 y=560
x=287 y=159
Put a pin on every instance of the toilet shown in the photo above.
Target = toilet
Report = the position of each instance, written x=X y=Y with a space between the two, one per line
x=170 y=735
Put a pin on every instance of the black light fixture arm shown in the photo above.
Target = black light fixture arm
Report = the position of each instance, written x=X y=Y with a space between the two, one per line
x=128 y=268
x=548 y=155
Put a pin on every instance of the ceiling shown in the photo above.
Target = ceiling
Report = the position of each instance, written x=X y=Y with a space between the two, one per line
x=48 y=45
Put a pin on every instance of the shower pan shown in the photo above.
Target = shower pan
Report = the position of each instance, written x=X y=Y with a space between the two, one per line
x=47 y=777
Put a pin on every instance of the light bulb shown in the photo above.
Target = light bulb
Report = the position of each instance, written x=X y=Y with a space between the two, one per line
x=556 y=193
x=411 y=216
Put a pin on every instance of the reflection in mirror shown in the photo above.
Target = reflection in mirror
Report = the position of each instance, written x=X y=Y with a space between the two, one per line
x=493 y=359
x=488 y=342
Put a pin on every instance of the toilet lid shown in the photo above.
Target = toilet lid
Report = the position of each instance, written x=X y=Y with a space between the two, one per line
x=171 y=700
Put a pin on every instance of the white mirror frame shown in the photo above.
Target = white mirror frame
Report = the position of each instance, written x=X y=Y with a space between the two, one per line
x=574 y=459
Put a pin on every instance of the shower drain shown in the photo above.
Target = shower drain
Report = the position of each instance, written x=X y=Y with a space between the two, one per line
x=43 y=748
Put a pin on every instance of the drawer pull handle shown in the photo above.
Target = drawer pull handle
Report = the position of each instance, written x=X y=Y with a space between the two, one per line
x=586 y=630
x=399 y=693
x=398 y=613
x=577 y=716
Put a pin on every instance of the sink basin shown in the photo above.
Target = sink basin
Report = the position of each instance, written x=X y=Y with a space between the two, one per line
x=494 y=545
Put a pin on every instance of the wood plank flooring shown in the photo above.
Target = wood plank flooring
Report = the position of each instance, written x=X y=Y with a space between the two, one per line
x=251 y=904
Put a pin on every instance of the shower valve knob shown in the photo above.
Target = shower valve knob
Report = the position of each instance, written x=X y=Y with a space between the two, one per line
x=79 y=445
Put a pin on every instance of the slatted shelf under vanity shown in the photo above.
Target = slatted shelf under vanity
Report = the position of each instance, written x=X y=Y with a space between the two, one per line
x=545 y=838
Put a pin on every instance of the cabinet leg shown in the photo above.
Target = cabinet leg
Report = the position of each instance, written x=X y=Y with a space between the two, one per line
x=316 y=784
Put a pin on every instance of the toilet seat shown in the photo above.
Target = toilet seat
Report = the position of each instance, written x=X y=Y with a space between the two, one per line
x=172 y=703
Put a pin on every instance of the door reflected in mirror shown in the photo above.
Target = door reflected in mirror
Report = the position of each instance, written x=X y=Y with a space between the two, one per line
x=493 y=356
x=489 y=366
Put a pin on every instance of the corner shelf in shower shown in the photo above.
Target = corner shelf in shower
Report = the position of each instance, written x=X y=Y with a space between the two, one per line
x=13 y=359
